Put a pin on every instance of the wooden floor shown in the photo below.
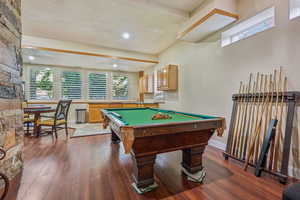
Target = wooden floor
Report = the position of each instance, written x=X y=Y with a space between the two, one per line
x=90 y=168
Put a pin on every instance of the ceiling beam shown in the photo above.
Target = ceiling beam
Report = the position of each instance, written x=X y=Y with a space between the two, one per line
x=159 y=7
x=90 y=54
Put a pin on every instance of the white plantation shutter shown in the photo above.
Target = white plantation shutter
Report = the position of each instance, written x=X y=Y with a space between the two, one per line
x=32 y=84
x=97 y=86
x=41 y=84
x=120 y=87
x=71 y=85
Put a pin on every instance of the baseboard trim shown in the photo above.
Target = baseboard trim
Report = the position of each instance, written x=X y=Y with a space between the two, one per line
x=217 y=144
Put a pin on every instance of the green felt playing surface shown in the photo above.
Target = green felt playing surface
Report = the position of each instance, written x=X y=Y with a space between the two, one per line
x=134 y=117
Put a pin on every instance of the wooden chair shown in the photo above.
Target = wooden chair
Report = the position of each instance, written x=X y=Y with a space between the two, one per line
x=59 y=119
x=27 y=119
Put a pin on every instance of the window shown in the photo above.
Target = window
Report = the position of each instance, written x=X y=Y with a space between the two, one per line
x=71 y=85
x=97 y=86
x=256 y=24
x=120 y=87
x=41 y=84
x=294 y=8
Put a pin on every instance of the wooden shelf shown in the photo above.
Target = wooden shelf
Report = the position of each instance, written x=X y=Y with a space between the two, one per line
x=167 y=78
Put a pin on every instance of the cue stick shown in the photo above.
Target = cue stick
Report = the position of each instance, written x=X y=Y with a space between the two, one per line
x=260 y=139
x=278 y=131
x=237 y=120
x=270 y=117
x=263 y=99
x=272 y=152
x=255 y=101
x=251 y=119
x=240 y=121
x=258 y=112
x=245 y=118
x=256 y=133
x=271 y=110
x=268 y=111
x=255 y=113
x=240 y=105
x=281 y=117
x=276 y=117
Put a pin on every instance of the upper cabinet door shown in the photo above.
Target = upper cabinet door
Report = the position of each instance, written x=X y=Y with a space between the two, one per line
x=167 y=78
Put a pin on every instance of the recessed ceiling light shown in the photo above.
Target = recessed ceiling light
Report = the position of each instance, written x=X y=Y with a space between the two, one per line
x=126 y=35
x=115 y=65
x=31 y=57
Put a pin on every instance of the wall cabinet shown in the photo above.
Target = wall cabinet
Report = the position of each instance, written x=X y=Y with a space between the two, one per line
x=167 y=78
x=147 y=84
x=95 y=114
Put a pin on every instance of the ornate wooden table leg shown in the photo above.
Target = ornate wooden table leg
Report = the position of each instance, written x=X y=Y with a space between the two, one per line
x=143 y=173
x=114 y=137
x=3 y=176
x=36 y=129
x=192 y=159
x=192 y=163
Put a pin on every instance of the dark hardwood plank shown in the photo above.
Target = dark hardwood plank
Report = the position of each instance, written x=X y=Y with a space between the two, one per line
x=90 y=168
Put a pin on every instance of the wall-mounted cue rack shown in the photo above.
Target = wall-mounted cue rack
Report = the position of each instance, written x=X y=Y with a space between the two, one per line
x=254 y=107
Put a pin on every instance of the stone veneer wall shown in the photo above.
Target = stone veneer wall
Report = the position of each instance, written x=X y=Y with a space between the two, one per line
x=11 y=95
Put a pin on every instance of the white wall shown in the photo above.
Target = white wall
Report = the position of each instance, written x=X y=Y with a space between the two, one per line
x=210 y=74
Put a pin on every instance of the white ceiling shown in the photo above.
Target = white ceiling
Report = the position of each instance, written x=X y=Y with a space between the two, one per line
x=83 y=61
x=185 y=5
x=153 y=24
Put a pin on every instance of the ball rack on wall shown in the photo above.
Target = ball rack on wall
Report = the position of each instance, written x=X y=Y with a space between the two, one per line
x=254 y=107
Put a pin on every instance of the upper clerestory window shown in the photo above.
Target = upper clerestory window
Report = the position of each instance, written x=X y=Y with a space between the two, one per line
x=256 y=24
x=294 y=8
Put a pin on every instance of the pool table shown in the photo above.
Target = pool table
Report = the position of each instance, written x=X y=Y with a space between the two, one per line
x=144 y=138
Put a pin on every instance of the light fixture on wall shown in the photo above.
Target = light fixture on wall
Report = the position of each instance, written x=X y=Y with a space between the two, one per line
x=126 y=35
x=115 y=65
x=31 y=57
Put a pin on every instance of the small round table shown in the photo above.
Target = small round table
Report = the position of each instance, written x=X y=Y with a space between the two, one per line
x=37 y=111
